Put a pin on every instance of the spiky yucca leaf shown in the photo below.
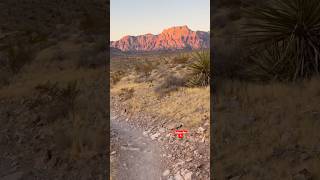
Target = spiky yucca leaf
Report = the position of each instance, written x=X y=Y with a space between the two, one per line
x=290 y=25
x=200 y=69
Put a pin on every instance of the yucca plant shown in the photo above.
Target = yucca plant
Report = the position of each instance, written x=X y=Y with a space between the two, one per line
x=200 y=69
x=292 y=26
x=260 y=65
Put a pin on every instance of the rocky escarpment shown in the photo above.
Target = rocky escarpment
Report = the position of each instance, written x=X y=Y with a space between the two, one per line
x=174 y=38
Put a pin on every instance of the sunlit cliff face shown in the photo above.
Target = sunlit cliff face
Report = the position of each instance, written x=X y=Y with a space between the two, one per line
x=179 y=37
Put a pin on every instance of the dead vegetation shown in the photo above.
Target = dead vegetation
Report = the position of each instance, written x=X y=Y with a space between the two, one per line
x=170 y=83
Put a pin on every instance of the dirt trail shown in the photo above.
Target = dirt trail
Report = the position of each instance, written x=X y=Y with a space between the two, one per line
x=133 y=156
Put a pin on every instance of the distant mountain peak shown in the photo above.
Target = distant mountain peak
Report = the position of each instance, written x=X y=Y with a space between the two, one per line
x=178 y=28
x=173 y=38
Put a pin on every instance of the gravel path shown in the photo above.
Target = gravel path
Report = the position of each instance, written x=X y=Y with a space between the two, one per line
x=133 y=156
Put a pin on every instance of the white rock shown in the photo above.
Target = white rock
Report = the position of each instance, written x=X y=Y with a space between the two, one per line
x=178 y=176
x=145 y=133
x=113 y=152
x=203 y=139
x=201 y=130
x=162 y=130
x=187 y=175
x=155 y=136
x=195 y=152
x=166 y=172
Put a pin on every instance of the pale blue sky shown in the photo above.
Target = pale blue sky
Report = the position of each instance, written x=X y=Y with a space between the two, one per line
x=136 y=17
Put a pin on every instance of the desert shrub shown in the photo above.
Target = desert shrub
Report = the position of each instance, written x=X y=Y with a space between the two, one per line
x=164 y=59
x=80 y=135
x=116 y=77
x=260 y=66
x=170 y=83
x=181 y=59
x=126 y=94
x=290 y=26
x=144 y=67
x=56 y=100
x=200 y=69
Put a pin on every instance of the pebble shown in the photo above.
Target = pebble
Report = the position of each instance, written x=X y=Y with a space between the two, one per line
x=155 y=136
x=113 y=152
x=145 y=133
x=166 y=172
x=201 y=130
x=130 y=148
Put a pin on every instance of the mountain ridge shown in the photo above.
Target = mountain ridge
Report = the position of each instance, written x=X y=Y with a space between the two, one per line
x=173 y=38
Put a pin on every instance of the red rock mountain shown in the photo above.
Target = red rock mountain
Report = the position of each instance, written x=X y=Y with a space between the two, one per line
x=174 y=38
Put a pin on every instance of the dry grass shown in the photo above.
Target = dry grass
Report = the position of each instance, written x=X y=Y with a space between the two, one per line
x=25 y=83
x=181 y=59
x=44 y=89
x=163 y=93
x=271 y=125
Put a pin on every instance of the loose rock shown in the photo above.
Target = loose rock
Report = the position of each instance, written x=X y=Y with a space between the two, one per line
x=166 y=172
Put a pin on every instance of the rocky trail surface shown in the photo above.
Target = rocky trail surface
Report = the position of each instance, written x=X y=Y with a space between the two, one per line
x=151 y=150
x=134 y=156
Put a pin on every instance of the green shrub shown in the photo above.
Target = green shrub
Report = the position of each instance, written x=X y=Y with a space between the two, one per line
x=200 y=69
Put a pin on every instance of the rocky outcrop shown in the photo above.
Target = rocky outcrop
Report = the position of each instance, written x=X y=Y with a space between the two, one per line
x=174 y=38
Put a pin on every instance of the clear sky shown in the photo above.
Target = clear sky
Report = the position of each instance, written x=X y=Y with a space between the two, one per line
x=137 y=17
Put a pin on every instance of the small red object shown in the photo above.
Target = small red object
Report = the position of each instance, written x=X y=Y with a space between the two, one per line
x=180 y=133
